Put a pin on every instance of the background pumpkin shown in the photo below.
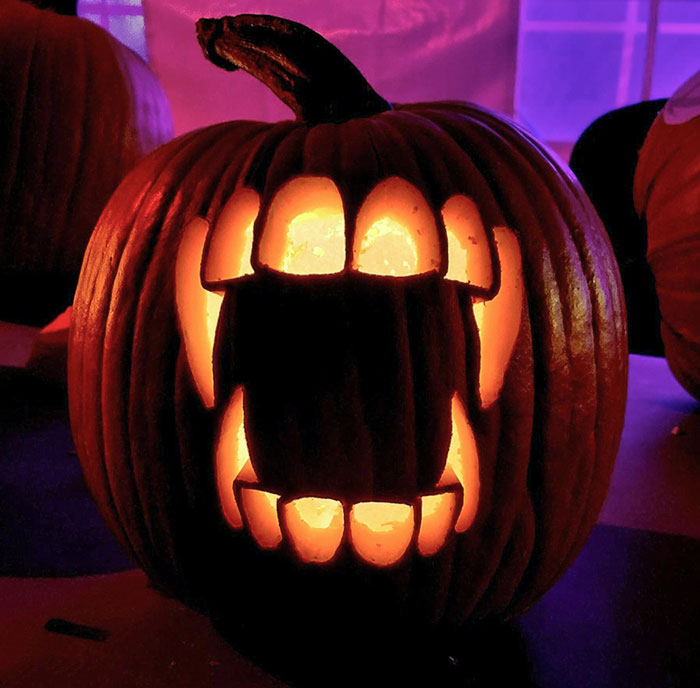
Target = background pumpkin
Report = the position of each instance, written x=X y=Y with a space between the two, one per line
x=78 y=110
x=546 y=441
x=666 y=196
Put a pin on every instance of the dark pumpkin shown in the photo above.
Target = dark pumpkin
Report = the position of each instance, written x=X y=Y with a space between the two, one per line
x=356 y=378
x=78 y=110
x=604 y=160
x=666 y=196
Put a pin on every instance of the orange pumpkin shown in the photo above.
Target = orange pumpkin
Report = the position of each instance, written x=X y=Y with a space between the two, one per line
x=78 y=110
x=666 y=196
x=369 y=364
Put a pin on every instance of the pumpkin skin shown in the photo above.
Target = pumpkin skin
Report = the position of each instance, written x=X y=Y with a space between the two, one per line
x=608 y=182
x=79 y=109
x=546 y=444
x=665 y=195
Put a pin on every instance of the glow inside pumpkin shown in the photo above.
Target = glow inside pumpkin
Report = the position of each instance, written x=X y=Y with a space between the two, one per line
x=396 y=235
x=305 y=229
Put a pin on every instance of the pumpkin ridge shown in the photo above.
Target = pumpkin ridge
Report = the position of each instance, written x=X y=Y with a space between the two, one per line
x=78 y=159
x=69 y=140
x=574 y=420
x=266 y=174
x=15 y=183
x=114 y=404
x=597 y=323
x=188 y=158
x=287 y=161
x=102 y=484
x=231 y=175
x=515 y=409
x=502 y=592
x=319 y=154
x=352 y=208
x=422 y=154
x=113 y=461
x=579 y=241
x=490 y=139
x=473 y=184
x=583 y=246
x=587 y=468
x=464 y=155
x=406 y=356
x=255 y=173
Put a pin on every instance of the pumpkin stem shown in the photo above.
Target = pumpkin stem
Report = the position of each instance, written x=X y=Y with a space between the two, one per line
x=68 y=7
x=303 y=69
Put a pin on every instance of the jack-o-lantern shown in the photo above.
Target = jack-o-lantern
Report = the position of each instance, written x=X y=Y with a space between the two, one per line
x=78 y=109
x=374 y=358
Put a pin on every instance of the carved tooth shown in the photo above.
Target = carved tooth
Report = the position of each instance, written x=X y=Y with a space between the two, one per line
x=469 y=255
x=315 y=527
x=197 y=309
x=498 y=320
x=462 y=464
x=437 y=517
x=260 y=509
x=381 y=532
x=232 y=458
x=231 y=242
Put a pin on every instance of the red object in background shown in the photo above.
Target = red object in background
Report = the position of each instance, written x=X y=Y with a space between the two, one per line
x=78 y=110
x=667 y=195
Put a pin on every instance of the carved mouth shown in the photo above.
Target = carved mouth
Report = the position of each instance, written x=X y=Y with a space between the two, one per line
x=210 y=261
x=320 y=528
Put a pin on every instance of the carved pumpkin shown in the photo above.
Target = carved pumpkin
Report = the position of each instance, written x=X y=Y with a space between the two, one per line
x=373 y=359
x=78 y=110
x=666 y=196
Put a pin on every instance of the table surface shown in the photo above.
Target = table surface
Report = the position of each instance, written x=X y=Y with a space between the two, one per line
x=623 y=615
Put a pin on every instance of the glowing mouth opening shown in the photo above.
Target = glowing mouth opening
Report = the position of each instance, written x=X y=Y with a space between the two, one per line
x=378 y=532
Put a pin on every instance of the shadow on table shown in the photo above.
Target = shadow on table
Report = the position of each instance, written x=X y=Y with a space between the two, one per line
x=49 y=524
x=490 y=655
x=624 y=615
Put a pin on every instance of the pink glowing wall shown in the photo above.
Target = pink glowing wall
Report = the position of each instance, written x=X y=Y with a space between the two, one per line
x=410 y=50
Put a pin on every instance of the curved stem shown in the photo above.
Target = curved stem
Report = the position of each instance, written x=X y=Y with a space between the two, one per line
x=302 y=68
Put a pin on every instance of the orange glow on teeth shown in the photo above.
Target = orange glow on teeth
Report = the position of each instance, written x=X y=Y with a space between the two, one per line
x=463 y=464
x=232 y=457
x=437 y=516
x=315 y=527
x=261 y=510
x=381 y=532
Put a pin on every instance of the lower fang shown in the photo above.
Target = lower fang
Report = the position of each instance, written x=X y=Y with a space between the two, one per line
x=260 y=508
x=437 y=518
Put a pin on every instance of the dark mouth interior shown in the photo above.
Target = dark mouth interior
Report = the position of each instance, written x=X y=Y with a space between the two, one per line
x=353 y=380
